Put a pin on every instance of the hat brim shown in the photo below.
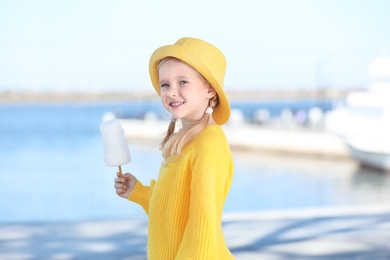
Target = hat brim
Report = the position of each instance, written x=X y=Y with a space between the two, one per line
x=222 y=113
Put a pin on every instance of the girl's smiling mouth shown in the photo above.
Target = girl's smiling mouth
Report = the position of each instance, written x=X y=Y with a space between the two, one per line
x=176 y=103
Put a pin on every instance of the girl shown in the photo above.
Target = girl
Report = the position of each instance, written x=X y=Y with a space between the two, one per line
x=185 y=204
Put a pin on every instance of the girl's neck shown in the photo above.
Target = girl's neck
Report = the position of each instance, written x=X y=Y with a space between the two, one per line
x=190 y=123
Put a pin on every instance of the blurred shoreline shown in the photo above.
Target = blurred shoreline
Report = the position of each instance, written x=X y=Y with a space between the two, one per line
x=33 y=97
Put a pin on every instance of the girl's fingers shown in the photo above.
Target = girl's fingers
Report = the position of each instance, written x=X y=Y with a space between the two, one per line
x=120 y=184
x=120 y=180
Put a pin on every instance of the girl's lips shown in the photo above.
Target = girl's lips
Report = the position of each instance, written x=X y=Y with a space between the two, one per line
x=176 y=103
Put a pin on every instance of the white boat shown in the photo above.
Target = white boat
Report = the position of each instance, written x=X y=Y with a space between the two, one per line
x=363 y=121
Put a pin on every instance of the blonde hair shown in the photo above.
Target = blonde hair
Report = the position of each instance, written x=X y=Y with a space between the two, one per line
x=174 y=142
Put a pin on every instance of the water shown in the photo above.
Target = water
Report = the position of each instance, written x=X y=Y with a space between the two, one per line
x=52 y=169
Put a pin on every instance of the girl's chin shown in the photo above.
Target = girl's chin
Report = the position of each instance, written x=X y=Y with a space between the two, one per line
x=176 y=115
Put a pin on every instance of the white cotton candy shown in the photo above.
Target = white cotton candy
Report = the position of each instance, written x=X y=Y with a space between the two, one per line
x=116 y=149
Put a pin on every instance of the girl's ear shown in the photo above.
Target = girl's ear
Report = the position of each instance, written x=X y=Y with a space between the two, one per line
x=211 y=92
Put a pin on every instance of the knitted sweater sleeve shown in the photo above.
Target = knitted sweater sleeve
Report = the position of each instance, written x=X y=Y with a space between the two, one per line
x=141 y=195
x=210 y=182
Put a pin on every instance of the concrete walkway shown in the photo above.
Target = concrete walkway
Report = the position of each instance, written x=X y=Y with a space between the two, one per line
x=323 y=233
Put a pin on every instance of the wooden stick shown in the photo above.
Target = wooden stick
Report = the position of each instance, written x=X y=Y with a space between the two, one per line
x=121 y=176
x=120 y=171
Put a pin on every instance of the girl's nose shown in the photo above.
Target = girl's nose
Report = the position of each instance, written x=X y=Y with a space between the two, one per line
x=172 y=92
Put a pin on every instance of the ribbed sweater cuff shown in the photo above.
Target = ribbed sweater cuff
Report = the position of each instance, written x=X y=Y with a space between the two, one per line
x=139 y=194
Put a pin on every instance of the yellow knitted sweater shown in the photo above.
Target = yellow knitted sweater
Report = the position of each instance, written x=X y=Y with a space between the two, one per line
x=185 y=204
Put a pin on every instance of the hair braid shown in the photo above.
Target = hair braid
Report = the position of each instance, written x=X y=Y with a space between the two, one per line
x=173 y=143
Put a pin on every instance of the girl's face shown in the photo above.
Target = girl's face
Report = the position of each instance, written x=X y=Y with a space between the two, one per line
x=184 y=92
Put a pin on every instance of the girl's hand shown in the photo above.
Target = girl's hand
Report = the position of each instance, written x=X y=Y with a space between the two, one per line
x=124 y=185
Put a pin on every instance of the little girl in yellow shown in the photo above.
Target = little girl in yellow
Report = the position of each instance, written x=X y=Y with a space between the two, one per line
x=185 y=204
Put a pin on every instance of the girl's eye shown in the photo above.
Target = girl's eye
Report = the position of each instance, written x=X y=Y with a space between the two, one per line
x=164 y=86
x=183 y=82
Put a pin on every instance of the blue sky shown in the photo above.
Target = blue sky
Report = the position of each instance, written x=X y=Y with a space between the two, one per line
x=99 y=45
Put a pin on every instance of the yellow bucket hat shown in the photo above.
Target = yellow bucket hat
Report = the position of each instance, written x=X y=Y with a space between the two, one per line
x=207 y=59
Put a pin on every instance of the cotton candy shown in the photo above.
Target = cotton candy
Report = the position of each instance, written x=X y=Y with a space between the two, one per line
x=116 y=149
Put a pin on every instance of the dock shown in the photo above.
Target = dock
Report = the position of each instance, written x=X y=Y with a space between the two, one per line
x=254 y=138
